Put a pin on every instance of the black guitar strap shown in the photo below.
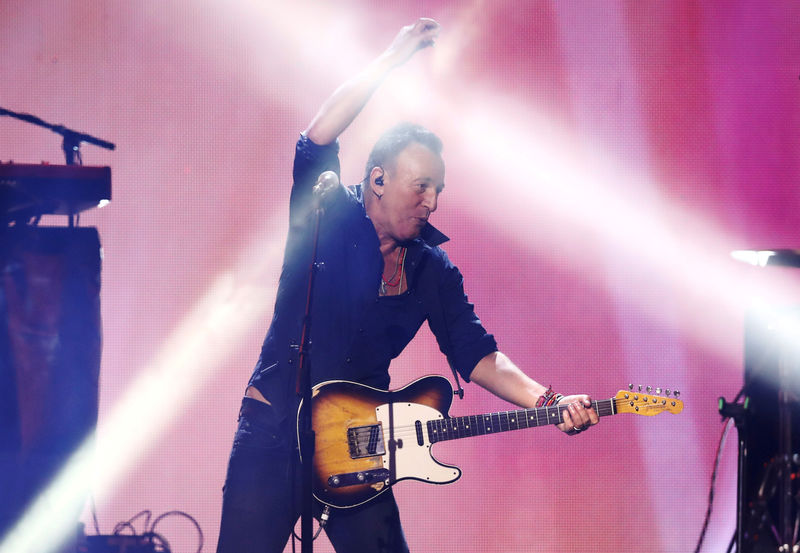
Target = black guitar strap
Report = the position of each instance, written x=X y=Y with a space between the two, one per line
x=459 y=390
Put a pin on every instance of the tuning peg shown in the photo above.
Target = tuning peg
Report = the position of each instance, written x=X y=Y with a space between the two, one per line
x=649 y=389
x=630 y=387
x=668 y=392
x=677 y=393
x=640 y=387
x=658 y=391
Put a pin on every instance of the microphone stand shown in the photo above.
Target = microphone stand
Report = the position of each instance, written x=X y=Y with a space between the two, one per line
x=303 y=390
x=70 y=144
x=72 y=139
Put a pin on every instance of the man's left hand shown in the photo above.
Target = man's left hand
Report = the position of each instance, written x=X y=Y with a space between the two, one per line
x=578 y=414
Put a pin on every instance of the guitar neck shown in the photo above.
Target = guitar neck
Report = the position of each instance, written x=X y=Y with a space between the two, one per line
x=452 y=428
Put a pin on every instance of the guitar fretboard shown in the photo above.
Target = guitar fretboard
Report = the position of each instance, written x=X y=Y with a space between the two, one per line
x=452 y=428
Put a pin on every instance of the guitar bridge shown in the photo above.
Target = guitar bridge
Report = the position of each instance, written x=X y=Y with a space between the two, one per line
x=365 y=441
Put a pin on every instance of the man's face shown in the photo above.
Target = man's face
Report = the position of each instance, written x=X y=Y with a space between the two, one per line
x=410 y=191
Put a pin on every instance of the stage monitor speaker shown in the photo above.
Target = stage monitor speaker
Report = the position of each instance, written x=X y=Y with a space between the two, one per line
x=50 y=344
x=118 y=543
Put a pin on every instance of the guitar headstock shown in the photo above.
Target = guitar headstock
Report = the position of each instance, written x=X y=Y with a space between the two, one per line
x=646 y=403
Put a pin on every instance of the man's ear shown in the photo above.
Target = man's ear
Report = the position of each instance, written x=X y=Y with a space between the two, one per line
x=376 y=175
x=376 y=181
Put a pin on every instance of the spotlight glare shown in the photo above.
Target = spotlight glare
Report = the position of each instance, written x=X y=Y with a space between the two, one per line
x=758 y=258
x=199 y=346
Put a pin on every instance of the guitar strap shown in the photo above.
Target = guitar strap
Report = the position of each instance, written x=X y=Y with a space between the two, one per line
x=459 y=390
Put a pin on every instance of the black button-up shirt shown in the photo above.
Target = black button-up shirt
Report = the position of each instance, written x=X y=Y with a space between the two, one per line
x=355 y=333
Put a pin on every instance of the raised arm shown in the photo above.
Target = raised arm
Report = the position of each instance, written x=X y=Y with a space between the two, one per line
x=349 y=99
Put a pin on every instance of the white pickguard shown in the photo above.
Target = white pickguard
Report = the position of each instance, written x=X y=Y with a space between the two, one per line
x=413 y=460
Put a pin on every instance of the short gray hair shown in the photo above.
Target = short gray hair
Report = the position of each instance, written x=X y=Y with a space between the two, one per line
x=395 y=140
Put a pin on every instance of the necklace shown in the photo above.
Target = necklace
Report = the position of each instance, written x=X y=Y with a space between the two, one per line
x=396 y=280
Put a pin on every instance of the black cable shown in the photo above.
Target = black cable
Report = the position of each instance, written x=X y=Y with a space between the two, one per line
x=725 y=429
x=293 y=462
x=158 y=540
x=121 y=525
x=323 y=519
x=94 y=515
x=181 y=513
x=149 y=529
x=129 y=523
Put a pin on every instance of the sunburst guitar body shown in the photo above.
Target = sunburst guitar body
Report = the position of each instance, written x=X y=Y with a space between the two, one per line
x=367 y=439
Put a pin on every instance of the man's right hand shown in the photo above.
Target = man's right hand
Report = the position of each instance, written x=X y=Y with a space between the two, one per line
x=411 y=38
x=348 y=100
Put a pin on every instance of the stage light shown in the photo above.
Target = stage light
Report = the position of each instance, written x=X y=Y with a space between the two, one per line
x=759 y=258
x=551 y=181
x=762 y=258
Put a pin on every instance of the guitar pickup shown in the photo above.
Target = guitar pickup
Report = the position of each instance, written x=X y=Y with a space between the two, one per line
x=365 y=441
x=358 y=478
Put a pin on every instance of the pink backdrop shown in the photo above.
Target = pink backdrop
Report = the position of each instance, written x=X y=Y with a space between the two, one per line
x=603 y=159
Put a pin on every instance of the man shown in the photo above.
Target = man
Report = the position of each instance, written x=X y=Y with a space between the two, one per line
x=383 y=275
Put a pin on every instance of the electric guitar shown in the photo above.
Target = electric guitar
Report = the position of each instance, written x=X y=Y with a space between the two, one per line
x=367 y=439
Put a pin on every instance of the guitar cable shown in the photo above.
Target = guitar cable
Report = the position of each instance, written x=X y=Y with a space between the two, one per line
x=720 y=445
x=728 y=420
x=323 y=520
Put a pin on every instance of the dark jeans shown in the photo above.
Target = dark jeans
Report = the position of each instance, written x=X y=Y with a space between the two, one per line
x=258 y=513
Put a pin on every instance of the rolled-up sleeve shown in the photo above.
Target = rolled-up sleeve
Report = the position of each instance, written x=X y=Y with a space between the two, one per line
x=310 y=160
x=458 y=330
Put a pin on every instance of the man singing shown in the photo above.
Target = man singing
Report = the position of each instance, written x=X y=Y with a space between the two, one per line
x=384 y=274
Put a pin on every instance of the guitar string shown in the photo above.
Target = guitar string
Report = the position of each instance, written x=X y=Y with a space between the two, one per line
x=411 y=430
x=493 y=419
x=463 y=425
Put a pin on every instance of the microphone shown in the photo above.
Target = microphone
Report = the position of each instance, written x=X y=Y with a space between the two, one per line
x=326 y=182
